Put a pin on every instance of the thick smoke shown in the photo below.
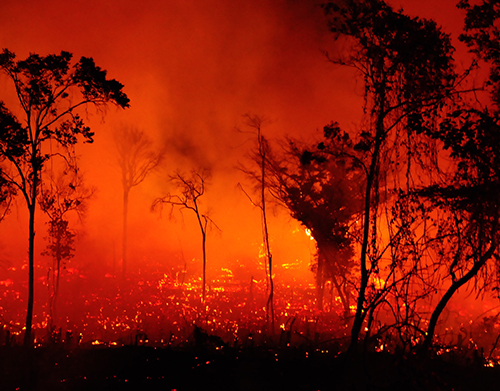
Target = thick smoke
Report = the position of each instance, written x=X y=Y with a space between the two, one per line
x=192 y=69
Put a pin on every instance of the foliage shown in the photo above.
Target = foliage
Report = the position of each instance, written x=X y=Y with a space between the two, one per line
x=481 y=35
x=50 y=92
x=322 y=189
x=406 y=62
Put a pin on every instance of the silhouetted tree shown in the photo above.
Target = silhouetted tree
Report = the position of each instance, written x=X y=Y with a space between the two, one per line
x=136 y=158
x=62 y=194
x=472 y=137
x=50 y=93
x=191 y=187
x=407 y=67
x=321 y=188
x=259 y=175
x=470 y=232
x=260 y=156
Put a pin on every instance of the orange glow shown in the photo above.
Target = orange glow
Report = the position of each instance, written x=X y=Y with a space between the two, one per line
x=192 y=70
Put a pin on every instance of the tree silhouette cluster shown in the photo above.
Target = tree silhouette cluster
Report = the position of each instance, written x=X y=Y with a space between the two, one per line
x=405 y=209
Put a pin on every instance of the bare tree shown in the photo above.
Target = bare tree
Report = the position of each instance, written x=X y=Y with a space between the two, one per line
x=136 y=158
x=260 y=157
x=191 y=187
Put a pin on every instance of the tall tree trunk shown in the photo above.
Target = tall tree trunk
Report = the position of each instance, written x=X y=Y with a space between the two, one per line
x=343 y=298
x=204 y=279
x=320 y=279
x=31 y=270
x=327 y=270
x=269 y=256
x=370 y=182
x=126 y=192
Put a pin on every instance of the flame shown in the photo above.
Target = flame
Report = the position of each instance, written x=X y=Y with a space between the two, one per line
x=7 y=282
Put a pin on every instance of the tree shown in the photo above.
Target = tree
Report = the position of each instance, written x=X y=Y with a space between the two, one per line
x=61 y=195
x=407 y=67
x=472 y=137
x=136 y=159
x=322 y=190
x=50 y=93
x=192 y=187
x=470 y=236
x=260 y=157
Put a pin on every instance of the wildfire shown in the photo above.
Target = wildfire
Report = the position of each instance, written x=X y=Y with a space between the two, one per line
x=7 y=282
x=158 y=310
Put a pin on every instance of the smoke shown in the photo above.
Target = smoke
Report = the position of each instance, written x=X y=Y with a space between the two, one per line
x=192 y=69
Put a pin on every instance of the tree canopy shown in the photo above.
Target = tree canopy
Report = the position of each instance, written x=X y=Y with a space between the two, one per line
x=50 y=92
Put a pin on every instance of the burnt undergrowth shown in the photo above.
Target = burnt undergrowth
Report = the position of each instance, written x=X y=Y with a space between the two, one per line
x=210 y=364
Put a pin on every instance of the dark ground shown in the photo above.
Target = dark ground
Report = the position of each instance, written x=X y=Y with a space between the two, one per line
x=147 y=368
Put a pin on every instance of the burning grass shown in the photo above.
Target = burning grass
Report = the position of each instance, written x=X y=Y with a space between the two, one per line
x=161 y=308
x=153 y=331
x=165 y=306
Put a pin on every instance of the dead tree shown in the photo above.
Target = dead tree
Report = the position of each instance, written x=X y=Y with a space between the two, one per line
x=191 y=188
x=136 y=158
x=260 y=157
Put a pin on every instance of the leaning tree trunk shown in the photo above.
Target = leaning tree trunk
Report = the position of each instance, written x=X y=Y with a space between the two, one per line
x=451 y=291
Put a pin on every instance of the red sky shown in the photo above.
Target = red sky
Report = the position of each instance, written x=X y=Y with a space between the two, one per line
x=192 y=69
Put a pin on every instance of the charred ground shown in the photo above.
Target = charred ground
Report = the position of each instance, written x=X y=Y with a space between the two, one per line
x=236 y=368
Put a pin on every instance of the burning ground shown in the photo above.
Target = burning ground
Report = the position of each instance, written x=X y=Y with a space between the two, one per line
x=349 y=227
